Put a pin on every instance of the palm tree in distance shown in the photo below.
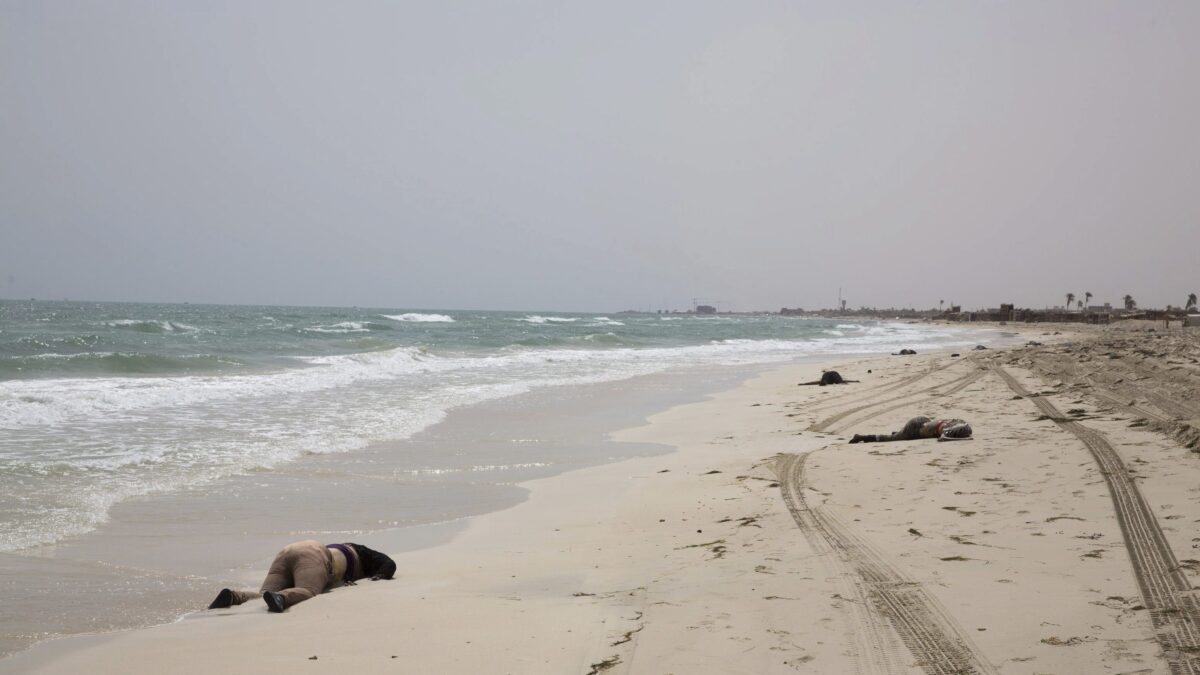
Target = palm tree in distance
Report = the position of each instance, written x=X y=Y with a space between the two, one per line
x=1191 y=303
x=1130 y=303
x=1070 y=300
x=1087 y=298
x=1079 y=305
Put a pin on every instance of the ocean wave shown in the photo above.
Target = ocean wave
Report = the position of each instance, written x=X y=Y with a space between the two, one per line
x=71 y=342
x=566 y=342
x=77 y=401
x=151 y=326
x=97 y=397
x=605 y=339
x=111 y=363
x=347 y=327
x=605 y=321
x=602 y=339
x=35 y=342
x=534 y=318
x=80 y=399
x=111 y=438
x=420 y=318
x=369 y=343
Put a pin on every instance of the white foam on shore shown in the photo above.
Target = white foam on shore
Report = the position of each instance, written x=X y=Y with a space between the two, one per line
x=73 y=448
x=477 y=468
x=67 y=401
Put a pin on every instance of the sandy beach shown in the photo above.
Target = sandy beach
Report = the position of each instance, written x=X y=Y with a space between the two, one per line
x=535 y=301
x=1061 y=539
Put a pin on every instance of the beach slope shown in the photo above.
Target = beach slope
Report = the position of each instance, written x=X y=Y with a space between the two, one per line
x=1061 y=539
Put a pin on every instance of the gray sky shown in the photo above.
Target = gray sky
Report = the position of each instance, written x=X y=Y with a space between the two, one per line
x=600 y=155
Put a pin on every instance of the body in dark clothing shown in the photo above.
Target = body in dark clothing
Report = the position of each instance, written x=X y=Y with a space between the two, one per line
x=307 y=568
x=921 y=427
x=829 y=377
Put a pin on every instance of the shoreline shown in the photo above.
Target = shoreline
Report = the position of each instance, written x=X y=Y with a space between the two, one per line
x=579 y=490
x=252 y=571
x=164 y=553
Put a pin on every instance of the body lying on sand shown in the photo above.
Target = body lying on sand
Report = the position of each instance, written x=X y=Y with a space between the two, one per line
x=921 y=427
x=306 y=569
x=828 y=377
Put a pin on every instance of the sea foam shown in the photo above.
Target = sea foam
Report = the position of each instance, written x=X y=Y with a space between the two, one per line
x=151 y=326
x=534 y=318
x=74 y=447
x=343 y=327
x=414 y=317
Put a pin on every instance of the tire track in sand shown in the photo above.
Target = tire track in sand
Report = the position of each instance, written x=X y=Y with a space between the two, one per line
x=933 y=638
x=1174 y=612
x=955 y=386
x=828 y=402
x=1123 y=403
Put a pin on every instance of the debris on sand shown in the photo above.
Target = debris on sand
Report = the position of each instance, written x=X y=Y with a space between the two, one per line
x=1056 y=641
x=604 y=665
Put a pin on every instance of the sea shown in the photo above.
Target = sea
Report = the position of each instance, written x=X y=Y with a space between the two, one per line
x=101 y=403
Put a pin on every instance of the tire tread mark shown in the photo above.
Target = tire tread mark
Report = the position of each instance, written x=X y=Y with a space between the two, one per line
x=1163 y=585
x=830 y=401
x=873 y=643
x=928 y=632
x=959 y=385
x=827 y=422
x=1115 y=399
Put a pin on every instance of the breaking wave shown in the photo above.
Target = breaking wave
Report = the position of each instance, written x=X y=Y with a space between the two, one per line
x=534 y=318
x=116 y=422
x=145 y=326
x=414 y=317
x=348 y=327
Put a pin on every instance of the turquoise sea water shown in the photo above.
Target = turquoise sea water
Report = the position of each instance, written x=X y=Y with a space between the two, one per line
x=100 y=402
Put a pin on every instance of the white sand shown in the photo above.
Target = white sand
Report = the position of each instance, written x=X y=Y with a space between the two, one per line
x=1005 y=548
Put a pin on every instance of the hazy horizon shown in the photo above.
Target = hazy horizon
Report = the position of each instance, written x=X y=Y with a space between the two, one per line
x=536 y=155
x=576 y=310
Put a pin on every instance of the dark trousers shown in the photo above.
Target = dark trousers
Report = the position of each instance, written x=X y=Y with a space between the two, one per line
x=910 y=432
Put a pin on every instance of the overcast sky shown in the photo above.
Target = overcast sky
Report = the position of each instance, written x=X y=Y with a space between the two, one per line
x=600 y=155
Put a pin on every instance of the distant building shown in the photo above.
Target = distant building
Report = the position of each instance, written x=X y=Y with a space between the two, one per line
x=706 y=309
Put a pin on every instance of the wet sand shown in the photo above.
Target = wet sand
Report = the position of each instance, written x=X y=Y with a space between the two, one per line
x=162 y=556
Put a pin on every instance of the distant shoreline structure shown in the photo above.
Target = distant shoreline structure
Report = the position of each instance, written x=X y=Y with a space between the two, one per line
x=1092 y=315
x=1005 y=313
